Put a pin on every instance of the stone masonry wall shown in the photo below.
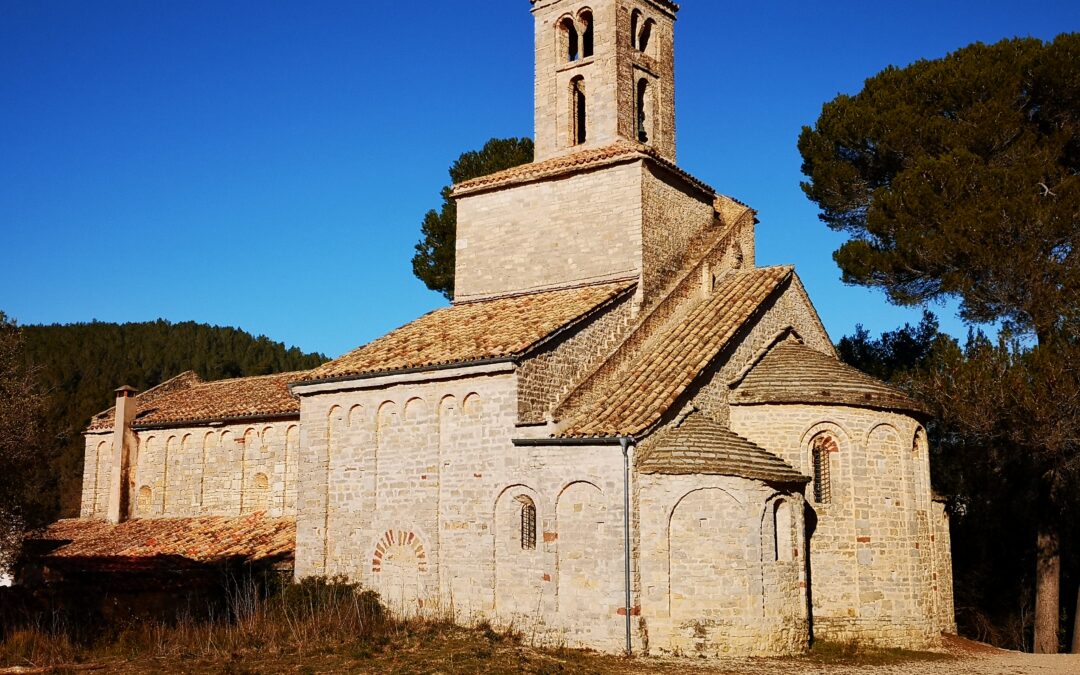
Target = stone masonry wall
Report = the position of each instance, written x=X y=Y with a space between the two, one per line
x=870 y=551
x=722 y=568
x=416 y=491
x=226 y=470
x=553 y=233
x=546 y=376
x=673 y=215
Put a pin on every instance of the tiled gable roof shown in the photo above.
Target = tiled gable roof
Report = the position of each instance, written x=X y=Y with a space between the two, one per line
x=700 y=446
x=646 y=389
x=241 y=398
x=474 y=331
x=616 y=153
x=136 y=545
x=794 y=373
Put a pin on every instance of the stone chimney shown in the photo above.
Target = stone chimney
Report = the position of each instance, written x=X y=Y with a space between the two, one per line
x=123 y=443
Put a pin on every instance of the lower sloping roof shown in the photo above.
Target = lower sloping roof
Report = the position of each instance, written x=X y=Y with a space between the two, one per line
x=264 y=396
x=793 y=373
x=701 y=446
x=639 y=396
x=503 y=327
x=175 y=543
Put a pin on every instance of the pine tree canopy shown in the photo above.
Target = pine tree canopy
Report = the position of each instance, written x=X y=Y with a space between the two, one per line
x=434 y=260
x=958 y=177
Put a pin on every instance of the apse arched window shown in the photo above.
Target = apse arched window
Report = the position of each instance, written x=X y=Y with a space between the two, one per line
x=528 y=523
x=568 y=40
x=642 y=105
x=579 y=112
x=635 y=27
x=586 y=19
x=821 y=450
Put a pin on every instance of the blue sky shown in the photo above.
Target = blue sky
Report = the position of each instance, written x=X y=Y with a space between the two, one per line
x=266 y=164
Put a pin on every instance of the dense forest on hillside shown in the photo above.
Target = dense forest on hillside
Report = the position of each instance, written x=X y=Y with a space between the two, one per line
x=81 y=364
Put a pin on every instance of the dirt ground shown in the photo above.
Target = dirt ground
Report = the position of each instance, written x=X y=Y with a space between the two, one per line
x=960 y=657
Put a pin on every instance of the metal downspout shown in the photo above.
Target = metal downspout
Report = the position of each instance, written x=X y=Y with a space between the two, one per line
x=626 y=443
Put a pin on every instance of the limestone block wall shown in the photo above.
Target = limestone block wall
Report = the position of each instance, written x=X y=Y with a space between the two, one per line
x=674 y=214
x=547 y=376
x=945 y=608
x=587 y=226
x=722 y=566
x=416 y=491
x=97 y=467
x=221 y=470
x=871 y=548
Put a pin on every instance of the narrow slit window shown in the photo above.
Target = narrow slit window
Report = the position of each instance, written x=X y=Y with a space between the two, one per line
x=579 y=112
x=823 y=447
x=528 y=524
x=635 y=28
x=642 y=112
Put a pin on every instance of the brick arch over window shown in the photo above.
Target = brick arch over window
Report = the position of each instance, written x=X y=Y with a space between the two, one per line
x=399 y=563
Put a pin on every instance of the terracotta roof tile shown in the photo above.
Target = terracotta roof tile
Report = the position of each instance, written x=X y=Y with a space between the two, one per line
x=701 y=446
x=616 y=153
x=651 y=383
x=794 y=373
x=135 y=544
x=473 y=331
x=245 y=397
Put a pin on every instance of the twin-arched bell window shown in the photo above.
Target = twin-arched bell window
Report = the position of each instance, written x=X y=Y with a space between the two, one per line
x=575 y=36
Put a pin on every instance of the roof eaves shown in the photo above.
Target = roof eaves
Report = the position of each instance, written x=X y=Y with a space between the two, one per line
x=433 y=367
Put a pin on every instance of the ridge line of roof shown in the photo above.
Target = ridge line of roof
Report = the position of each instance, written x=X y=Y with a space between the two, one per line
x=629 y=280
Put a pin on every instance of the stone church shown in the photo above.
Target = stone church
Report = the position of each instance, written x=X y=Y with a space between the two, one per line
x=622 y=432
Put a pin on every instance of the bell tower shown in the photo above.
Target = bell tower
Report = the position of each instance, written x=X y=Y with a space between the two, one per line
x=605 y=72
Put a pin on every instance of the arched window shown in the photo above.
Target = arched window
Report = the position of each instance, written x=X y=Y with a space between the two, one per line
x=782 y=540
x=568 y=40
x=645 y=36
x=528 y=523
x=635 y=27
x=586 y=33
x=642 y=105
x=821 y=449
x=578 y=112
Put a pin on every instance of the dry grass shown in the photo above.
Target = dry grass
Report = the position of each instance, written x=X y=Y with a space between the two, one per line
x=329 y=626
